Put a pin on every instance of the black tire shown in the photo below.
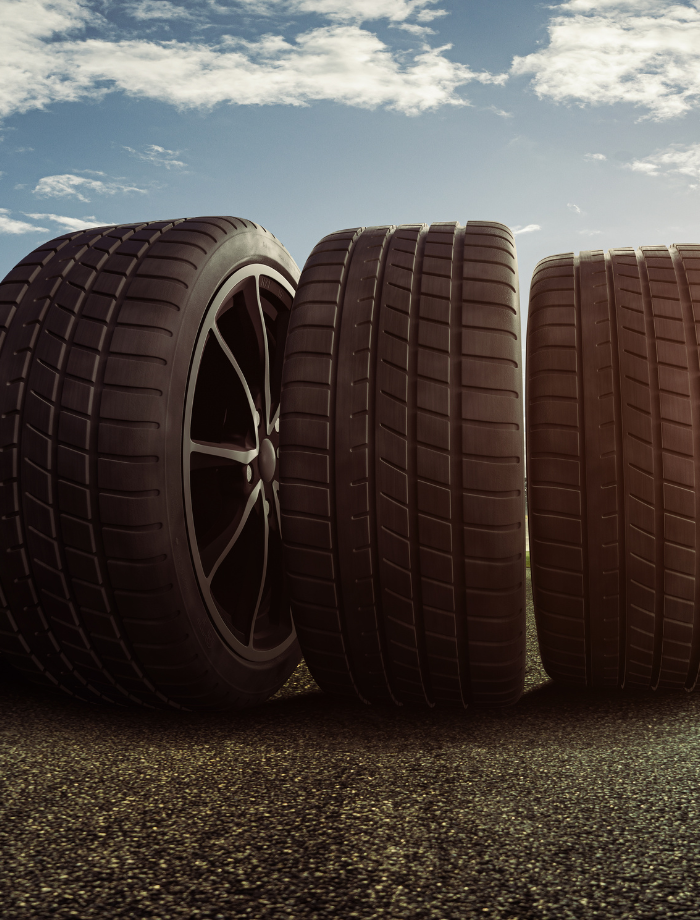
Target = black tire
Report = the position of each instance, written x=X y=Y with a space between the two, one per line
x=401 y=465
x=613 y=416
x=109 y=591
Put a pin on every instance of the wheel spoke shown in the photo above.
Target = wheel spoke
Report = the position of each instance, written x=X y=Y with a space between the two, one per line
x=227 y=453
x=266 y=351
x=252 y=498
x=251 y=292
x=276 y=493
x=229 y=354
x=263 y=579
x=276 y=363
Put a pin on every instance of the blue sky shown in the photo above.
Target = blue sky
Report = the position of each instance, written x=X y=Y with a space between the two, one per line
x=576 y=123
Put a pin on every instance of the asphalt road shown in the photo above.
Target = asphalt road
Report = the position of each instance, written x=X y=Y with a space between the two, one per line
x=568 y=805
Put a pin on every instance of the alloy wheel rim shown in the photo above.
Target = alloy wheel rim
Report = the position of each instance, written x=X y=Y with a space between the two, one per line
x=230 y=462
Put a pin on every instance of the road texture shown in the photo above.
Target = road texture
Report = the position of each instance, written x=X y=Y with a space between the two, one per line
x=568 y=805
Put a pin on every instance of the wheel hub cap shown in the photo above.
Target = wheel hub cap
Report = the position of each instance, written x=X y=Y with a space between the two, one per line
x=267 y=461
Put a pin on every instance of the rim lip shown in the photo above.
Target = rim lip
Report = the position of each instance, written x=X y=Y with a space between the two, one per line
x=229 y=287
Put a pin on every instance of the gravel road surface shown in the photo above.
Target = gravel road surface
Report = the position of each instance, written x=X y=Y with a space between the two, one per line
x=568 y=805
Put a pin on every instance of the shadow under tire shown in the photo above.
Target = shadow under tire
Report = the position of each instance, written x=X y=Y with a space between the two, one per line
x=140 y=549
x=401 y=465
x=613 y=440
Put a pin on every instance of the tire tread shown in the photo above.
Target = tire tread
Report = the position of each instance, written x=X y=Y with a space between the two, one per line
x=414 y=622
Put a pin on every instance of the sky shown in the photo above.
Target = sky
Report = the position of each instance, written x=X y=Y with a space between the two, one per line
x=575 y=123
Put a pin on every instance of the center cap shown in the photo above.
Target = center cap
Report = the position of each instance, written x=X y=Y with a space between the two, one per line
x=267 y=460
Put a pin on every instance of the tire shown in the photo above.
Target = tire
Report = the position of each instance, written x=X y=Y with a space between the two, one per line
x=401 y=465
x=122 y=576
x=613 y=421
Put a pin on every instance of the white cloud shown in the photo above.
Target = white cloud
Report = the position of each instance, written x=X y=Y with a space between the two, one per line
x=9 y=225
x=415 y=28
x=68 y=185
x=157 y=9
x=643 y=52
x=158 y=156
x=530 y=228
x=32 y=73
x=574 y=207
x=342 y=63
x=644 y=167
x=339 y=62
x=70 y=223
x=589 y=6
x=676 y=160
x=594 y=156
x=500 y=112
x=352 y=10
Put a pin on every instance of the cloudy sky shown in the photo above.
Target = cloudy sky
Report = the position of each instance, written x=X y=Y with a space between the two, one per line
x=576 y=123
